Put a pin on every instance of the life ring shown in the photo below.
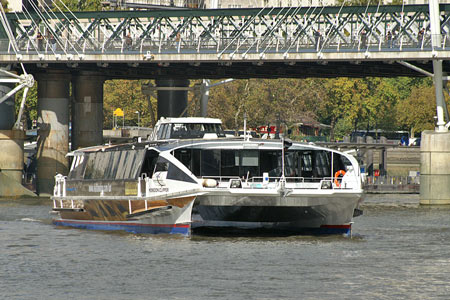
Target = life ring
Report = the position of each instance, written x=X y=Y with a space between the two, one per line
x=336 y=175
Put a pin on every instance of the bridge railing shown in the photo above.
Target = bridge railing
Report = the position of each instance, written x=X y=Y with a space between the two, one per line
x=226 y=45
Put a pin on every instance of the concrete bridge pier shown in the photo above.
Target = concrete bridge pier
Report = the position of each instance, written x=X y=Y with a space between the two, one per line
x=53 y=132
x=435 y=145
x=172 y=102
x=87 y=109
x=435 y=168
x=11 y=140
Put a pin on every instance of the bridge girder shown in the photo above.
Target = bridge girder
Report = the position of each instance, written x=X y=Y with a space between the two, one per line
x=242 y=70
x=352 y=38
x=227 y=29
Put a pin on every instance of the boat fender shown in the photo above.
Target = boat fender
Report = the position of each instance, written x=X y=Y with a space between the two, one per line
x=208 y=182
x=336 y=177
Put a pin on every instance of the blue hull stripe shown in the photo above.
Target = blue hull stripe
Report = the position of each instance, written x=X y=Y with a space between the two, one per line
x=182 y=229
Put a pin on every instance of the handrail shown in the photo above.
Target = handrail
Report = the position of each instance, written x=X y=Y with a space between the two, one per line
x=290 y=182
x=194 y=45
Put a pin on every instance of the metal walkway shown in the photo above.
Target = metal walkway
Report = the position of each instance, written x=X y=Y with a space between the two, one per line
x=341 y=36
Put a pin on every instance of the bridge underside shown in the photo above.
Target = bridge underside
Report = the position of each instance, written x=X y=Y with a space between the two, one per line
x=244 y=70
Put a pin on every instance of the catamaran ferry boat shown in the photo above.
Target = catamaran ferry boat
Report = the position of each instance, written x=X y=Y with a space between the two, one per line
x=194 y=184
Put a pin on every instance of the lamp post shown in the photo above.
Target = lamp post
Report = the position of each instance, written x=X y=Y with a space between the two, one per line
x=139 y=116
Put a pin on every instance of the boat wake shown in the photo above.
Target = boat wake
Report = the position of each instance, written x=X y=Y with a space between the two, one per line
x=30 y=220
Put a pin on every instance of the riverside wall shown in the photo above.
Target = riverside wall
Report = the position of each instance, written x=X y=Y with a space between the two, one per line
x=401 y=161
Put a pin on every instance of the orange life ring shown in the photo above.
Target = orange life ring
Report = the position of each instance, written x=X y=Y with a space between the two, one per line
x=336 y=175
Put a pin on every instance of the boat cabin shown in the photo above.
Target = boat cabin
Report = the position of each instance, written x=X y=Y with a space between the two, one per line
x=187 y=128
x=306 y=163
x=209 y=159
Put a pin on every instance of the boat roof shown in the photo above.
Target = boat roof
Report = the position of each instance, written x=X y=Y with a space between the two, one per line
x=235 y=143
x=190 y=120
x=230 y=143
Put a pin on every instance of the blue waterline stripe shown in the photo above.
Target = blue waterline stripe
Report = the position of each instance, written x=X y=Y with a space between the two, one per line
x=133 y=227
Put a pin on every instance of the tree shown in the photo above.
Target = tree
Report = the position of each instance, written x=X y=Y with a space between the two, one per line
x=266 y=101
x=228 y=103
x=127 y=95
x=418 y=110
x=80 y=5
x=346 y=98
x=380 y=105
x=30 y=109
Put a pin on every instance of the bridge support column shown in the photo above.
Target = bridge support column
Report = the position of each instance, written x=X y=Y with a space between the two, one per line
x=172 y=103
x=204 y=97
x=435 y=145
x=11 y=140
x=53 y=124
x=435 y=167
x=87 y=110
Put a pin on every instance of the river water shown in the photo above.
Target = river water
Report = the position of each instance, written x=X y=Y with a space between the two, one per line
x=398 y=251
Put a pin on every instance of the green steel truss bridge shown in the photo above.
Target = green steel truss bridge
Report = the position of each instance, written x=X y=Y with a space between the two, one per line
x=240 y=43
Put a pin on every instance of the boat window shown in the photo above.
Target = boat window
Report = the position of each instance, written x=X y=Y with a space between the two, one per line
x=249 y=163
x=340 y=163
x=130 y=164
x=124 y=164
x=161 y=166
x=290 y=161
x=219 y=130
x=179 y=131
x=187 y=131
x=175 y=173
x=167 y=131
x=271 y=163
x=210 y=165
x=190 y=158
x=195 y=130
x=214 y=128
x=196 y=162
x=306 y=161
x=184 y=156
x=160 y=132
x=95 y=167
x=322 y=167
x=149 y=163
x=229 y=163
x=77 y=171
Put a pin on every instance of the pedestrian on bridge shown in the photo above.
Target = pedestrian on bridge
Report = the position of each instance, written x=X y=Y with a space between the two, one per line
x=128 y=42
x=363 y=39
x=40 y=41
x=420 y=37
x=317 y=37
x=52 y=42
x=389 y=39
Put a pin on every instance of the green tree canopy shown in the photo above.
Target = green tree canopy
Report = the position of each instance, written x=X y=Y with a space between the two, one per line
x=417 y=112
x=80 y=5
x=127 y=95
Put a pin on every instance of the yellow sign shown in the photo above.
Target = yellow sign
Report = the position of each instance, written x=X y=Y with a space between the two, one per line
x=131 y=188
x=118 y=112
